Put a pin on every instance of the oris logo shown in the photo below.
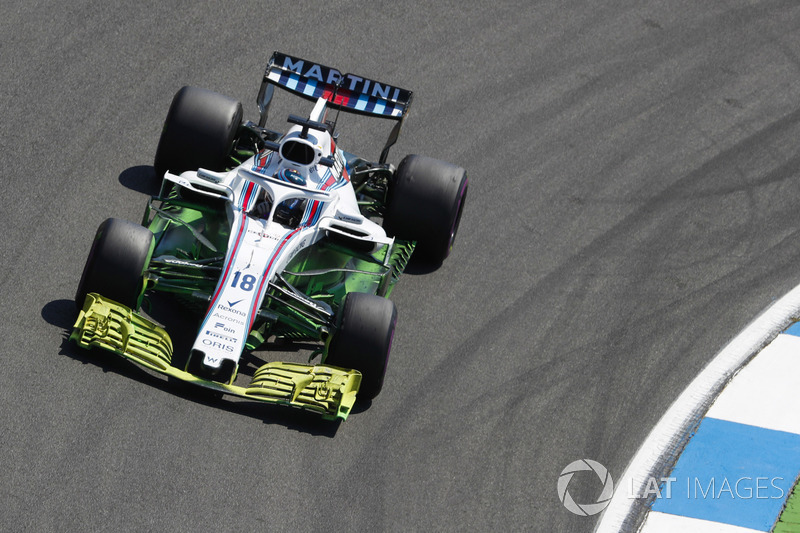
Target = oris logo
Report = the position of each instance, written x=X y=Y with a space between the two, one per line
x=218 y=345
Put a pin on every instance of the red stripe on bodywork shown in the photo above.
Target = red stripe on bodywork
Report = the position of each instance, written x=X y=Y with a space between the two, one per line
x=248 y=194
x=266 y=276
x=313 y=212
x=316 y=205
x=232 y=258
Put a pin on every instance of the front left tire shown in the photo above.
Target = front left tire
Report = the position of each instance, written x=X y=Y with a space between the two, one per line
x=199 y=132
x=118 y=258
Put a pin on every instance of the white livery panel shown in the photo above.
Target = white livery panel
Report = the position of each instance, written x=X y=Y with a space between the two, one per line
x=261 y=244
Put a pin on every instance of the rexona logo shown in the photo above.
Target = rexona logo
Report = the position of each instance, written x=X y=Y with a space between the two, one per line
x=232 y=310
x=585 y=509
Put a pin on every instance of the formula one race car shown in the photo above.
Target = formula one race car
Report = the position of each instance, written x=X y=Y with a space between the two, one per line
x=264 y=235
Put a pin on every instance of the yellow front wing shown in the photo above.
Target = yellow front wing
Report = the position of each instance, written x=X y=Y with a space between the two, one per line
x=327 y=390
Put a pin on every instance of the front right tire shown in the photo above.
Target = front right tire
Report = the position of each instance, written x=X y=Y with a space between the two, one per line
x=363 y=340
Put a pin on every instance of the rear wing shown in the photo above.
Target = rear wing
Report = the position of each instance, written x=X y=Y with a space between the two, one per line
x=347 y=92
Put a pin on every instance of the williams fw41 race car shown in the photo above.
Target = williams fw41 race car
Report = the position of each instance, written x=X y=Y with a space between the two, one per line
x=264 y=235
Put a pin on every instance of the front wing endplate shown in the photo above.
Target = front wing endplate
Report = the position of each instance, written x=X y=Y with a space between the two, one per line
x=327 y=390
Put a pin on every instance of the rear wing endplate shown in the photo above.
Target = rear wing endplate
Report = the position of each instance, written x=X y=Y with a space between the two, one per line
x=347 y=92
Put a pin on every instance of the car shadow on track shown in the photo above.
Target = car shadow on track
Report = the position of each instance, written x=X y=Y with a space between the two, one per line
x=417 y=267
x=141 y=179
x=62 y=314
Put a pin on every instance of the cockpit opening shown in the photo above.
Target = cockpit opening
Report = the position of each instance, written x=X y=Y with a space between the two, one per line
x=297 y=152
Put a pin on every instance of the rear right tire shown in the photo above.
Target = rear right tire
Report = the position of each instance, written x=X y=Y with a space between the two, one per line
x=426 y=199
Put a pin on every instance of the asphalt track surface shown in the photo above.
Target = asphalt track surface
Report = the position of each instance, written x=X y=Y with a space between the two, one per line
x=634 y=203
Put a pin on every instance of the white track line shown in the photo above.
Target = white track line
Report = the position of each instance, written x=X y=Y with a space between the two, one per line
x=765 y=392
x=667 y=439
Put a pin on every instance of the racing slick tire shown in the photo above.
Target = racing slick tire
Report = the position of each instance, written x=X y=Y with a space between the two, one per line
x=115 y=267
x=425 y=202
x=364 y=339
x=199 y=132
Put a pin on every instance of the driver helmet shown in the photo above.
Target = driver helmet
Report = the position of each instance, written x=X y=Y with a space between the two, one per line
x=292 y=176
